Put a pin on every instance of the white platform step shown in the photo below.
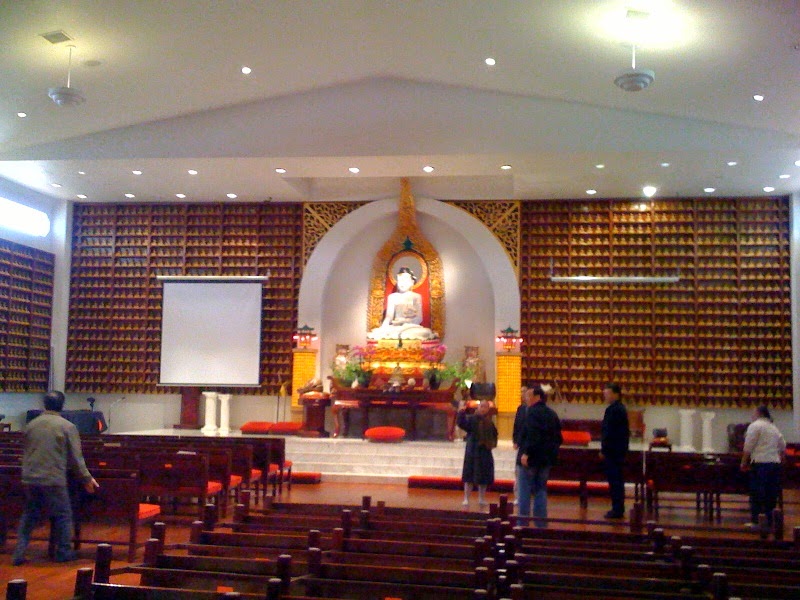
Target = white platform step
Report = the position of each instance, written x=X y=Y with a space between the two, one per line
x=354 y=460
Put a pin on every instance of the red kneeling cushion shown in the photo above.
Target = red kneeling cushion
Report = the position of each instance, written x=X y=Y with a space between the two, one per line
x=256 y=427
x=576 y=438
x=385 y=434
x=285 y=428
x=147 y=511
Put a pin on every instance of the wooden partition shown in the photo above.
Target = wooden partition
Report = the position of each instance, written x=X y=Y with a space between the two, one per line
x=711 y=339
x=26 y=302
x=115 y=299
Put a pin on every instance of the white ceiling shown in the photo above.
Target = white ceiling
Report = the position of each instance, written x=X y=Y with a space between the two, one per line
x=392 y=86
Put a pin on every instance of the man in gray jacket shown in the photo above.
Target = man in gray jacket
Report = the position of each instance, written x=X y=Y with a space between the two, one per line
x=52 y=445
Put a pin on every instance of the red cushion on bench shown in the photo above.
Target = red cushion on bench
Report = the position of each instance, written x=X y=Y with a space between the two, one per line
x=255 y=474
x=147 y=511
x=576 y=438
x=256 y=427
x=214 y=487
x=385 y=434
x=286 y=427
x=236 y=481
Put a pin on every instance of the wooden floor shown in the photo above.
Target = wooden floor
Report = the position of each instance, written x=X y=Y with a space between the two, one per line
x=49 y=581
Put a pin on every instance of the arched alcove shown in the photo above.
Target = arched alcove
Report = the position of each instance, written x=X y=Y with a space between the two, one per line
x=481 y=290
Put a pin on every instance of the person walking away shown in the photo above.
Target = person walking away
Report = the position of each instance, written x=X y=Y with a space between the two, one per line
x=51 y=447
x=541 y=439
x=614 y=442
x=764 y=449
x=516 y=435
x=481 y=439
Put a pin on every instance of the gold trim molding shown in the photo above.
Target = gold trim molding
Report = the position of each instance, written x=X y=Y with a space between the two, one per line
x=319 y=218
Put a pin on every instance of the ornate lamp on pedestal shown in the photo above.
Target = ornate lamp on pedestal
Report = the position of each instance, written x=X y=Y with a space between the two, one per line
x=509 y=339
x=304 y=336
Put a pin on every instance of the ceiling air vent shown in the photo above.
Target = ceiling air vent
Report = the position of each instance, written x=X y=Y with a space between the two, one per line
x=56 y=37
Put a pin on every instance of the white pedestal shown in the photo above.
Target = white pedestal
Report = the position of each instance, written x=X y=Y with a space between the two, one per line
x=707 y=416
x=210 y=426
x=687 y=429
x=224 y=414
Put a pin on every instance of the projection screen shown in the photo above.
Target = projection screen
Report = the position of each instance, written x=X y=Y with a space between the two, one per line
x=211 y=333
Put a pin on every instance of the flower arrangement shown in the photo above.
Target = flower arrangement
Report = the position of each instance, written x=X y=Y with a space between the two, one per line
x=434 y=354
x=357 y=367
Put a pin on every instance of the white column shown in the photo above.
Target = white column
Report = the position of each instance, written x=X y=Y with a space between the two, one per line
x=224 y=414
x=210 y=426
x=707 y=416
x=687 y=429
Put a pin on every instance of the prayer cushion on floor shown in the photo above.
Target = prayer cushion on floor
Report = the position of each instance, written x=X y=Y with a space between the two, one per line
x=385 y=434
x=285 y=428
x=256 y=427
x=576 y=438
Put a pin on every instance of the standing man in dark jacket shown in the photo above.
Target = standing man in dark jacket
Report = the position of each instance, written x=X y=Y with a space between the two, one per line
x=614 y=446
x=52 y=446
x=541 y=439
x=516 y=435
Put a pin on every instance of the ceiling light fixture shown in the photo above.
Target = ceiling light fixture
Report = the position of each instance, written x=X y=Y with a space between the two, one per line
x=81 y=172
x=784 y=176
x=649 y=190
x=709 y=190
x=354 y=170
x=591 y=192
x=797 y=163
x=280 y=170
x=428 y=169
x=66 y=96
x=758 y=97
x=732 y=163
x=82 y=196
x=136 y=172
x=181 y=196
x=601 y=166
x=490 y=62
x=246 y=70
x=505 y=167
x=634 y=80
x=130 y=196
x=665 y=164
x=769 y=189
x=56 y=185
x=22 y=115
x=192 y=172
x=231 y=196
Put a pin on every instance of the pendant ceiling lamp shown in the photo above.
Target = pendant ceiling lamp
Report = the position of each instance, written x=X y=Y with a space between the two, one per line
x=634 y=80
x=66 y=95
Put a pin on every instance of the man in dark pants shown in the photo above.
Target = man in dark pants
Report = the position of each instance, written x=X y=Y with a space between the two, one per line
x=614 y=446
x=52 y=445
x=541 y=439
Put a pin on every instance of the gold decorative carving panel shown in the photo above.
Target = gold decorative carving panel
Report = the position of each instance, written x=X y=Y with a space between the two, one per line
x=319 y=218
x=502 y=218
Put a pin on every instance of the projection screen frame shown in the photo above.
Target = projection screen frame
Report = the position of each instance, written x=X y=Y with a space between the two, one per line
x=214 y=279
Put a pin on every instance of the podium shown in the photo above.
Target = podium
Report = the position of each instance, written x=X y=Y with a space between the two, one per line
x=86 y=421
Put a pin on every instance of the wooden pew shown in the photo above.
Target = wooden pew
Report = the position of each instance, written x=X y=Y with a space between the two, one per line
x=13 y=495
x=175 y=476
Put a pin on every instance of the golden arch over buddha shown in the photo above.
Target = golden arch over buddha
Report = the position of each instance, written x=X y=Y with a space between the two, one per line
x=406 y=287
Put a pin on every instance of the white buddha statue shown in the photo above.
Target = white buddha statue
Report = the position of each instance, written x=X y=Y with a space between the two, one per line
x=403 y=313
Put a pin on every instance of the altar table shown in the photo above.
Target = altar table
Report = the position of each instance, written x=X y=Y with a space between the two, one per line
x=366 y=400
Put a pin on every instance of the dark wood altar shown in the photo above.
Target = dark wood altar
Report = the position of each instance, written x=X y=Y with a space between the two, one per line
x=345 y=399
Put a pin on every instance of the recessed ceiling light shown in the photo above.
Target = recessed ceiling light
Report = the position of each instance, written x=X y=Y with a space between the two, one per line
x=246 y=70
x=784 y=176
x=56 y=185
x=180 y=195
x=709 y=190
x=758 y=97
x=505 y=167
x=22 y=115
x=665 y=164
x=231 y=196
x=769 y=188
x=81 y=172
x=82 y=196
x=490 y=62
x=600 y=166
x=649 y=190
x=354 y=170
x=427 y=169
x=732 y=163
x=591 y=192
x=280 y=170
x=136 y=172
x=130 y=196
x=192 y=172
x=797 y=163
